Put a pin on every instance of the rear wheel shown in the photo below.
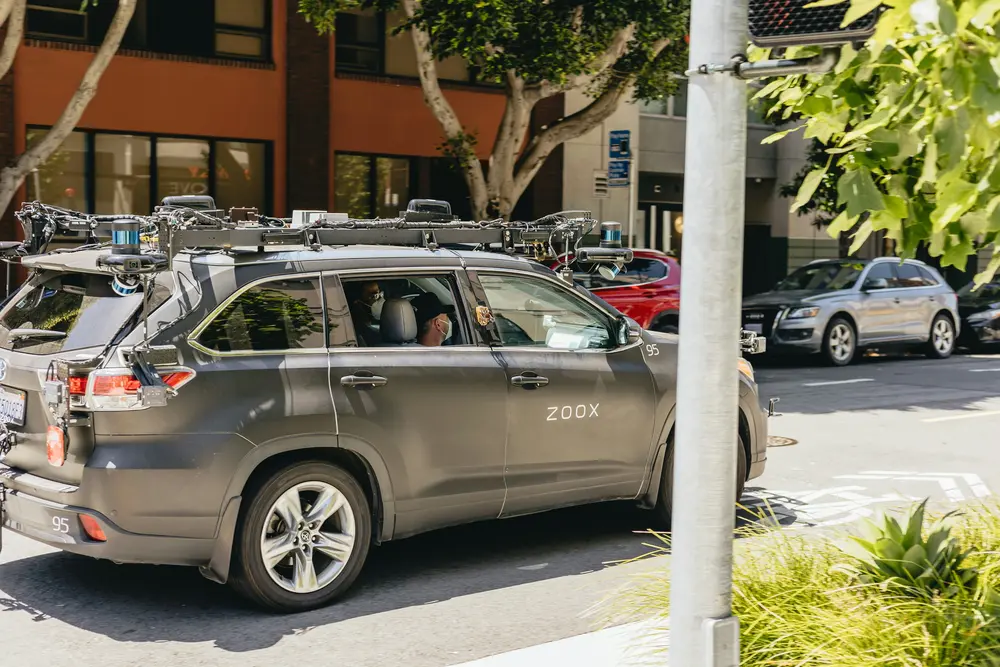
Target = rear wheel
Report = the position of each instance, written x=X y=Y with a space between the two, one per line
x=665 y=503
x=303 y=538
x=840 y=342
x=942 y=338
x=667 y=325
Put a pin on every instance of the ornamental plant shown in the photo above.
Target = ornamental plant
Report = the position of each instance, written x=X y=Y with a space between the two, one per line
x=911 y=120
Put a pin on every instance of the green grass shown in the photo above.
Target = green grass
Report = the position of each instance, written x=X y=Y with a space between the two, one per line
x=796 y=609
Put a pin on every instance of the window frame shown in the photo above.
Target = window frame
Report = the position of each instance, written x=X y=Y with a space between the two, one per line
x=920 y=275
x=266 y=33
x=867 y=276
x=380 y=48
x=412 y=168
x=572 y=295
x=463 y=310
x=192 y=337
x=90 y=162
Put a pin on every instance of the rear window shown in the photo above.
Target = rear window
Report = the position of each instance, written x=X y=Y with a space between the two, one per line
x=68 y=311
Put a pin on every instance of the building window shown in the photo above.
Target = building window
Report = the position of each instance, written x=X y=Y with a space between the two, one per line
x=360 y=41
x=369 y=185
x=674 y=106
x=111 y=173
x=221 y=28
x=121 y=169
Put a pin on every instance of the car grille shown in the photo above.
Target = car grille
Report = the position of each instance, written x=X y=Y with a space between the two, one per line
x=760 y=316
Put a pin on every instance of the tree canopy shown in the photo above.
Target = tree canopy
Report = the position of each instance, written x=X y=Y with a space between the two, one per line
x=912 y=119
x=610 y=49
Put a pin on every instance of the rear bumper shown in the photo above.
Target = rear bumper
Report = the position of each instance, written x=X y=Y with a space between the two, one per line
x=757 y=419
x=58 y=525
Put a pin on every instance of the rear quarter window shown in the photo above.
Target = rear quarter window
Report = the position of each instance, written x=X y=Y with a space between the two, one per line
x=69 y=311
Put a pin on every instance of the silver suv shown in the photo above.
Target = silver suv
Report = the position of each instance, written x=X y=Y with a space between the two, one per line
x=835 y=307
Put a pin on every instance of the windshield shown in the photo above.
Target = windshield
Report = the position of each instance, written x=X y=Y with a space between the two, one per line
x=827 y=276
x=81 y=307
x=987 y=291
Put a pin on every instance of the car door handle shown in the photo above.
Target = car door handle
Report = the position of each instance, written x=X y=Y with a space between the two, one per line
x=529 y=380
x=896 y=299
x=365 y=381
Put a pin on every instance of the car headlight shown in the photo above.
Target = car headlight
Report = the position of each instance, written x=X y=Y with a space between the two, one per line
x=746 y=368
x=802 y=313
x=984 y=316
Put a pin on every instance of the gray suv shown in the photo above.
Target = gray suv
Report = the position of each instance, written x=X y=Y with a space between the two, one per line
x=311 y=400
x=836 y=307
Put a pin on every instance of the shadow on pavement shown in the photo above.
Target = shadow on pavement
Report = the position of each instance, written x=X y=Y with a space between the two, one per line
x=141 y=603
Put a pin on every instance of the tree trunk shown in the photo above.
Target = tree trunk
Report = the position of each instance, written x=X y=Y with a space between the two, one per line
x=13 y=176
x=15 y=10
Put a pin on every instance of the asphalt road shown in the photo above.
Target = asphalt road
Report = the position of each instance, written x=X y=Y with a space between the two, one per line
x=849 y=440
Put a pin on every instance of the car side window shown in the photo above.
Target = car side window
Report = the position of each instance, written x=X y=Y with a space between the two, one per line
x=273 y=316
x=928 y=277
x=640 y=270
x=909 y=276
x=405 y=310
x=531 y=312
x=879 y=272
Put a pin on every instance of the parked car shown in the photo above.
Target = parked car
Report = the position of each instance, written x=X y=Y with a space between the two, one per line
x=836 y=307
x=980 y=311
x=648 y=290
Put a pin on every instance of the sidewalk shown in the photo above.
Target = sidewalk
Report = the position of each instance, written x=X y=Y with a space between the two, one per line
x=630 y=645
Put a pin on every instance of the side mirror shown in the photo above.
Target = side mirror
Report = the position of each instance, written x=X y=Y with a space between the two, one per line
x=629 y=331
x=875 y=284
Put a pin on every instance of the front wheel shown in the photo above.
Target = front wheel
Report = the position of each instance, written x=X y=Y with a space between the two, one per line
x=303 y=538
x=840 y=342
x=665 y=503
x=942 y=338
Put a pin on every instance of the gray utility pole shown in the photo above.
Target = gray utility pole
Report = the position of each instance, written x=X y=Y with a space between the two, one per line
x=703 y=632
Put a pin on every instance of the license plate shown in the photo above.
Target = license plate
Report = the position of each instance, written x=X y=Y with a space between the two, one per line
x=12 y=402
x=754 y=328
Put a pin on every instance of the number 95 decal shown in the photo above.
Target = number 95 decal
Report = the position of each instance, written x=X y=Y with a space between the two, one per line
x=60 y=524
x=652 y=350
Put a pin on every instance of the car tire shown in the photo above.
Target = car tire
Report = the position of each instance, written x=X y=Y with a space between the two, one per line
x=665 y=502
x=320 y=558
x=666 y=326
x=941 y=342
x=840 y=342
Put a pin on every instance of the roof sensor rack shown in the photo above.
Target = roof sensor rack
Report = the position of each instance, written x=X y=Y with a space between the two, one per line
x=148 y=244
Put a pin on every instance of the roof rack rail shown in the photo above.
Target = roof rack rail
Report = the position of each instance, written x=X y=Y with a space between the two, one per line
x=143 y=244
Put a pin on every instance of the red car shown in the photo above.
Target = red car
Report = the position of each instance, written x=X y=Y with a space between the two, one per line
x=648 y=290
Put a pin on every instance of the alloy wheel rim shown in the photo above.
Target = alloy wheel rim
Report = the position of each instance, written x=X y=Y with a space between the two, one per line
x=308 y=537
x=943 y=336
x=841 y=342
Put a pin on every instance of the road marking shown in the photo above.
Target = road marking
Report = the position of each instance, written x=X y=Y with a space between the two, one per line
x=832 y=382
x=946 y=480
x=971 y=415
x=984 y=370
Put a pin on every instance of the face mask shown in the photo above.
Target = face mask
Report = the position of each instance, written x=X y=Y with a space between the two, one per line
x=447 y=332
x=377 y=307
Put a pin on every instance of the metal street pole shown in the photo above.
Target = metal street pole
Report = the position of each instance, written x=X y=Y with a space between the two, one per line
x=702 y=631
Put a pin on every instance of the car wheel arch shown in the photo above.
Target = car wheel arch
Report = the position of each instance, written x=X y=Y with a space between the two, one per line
x=358 y=458
x=665 y=317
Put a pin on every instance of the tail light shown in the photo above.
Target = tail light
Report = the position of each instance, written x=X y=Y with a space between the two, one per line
x=55 y=446
x=118 y=388
x=92 y=528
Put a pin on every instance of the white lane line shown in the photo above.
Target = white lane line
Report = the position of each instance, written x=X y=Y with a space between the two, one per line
x=832 y=382
x=972 y=415
x=984 y=370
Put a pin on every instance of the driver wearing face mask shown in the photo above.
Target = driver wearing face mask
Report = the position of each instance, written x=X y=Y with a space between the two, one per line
x=434 y=326
x=367 y=309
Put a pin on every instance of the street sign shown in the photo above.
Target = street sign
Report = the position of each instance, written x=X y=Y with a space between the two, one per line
x=619 y=145
x=783 y=23
x=618 y=173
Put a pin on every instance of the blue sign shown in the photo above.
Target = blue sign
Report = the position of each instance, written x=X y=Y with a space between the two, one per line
x=618 y=173
x=619 y=145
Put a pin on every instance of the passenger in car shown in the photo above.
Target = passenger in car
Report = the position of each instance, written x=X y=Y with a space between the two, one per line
x=433 y=324
x=366 y=309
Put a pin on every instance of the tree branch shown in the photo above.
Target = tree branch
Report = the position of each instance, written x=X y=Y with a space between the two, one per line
x=15 y=10
x=616 y=49
x=443 y=111
x=12 y=177
x=511 y=134
x=573 y=126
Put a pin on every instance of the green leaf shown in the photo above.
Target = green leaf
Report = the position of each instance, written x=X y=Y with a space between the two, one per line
x=914 y=525
x=986 y=13
x=877 y=120
x=858 y=9
x=860 y=236
x=842 y=223
x=947 y=18
x=975 y=223
x=957 y=254
x=896 y=206
x=986 y=275
x=955 y=196
x=857 y=192
x=847 y=55
x=808 y=189
x=929 y=172
x=914 y=560
x=950 y=138
x=893 y=529
x=889 y=549
x=777 y=136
